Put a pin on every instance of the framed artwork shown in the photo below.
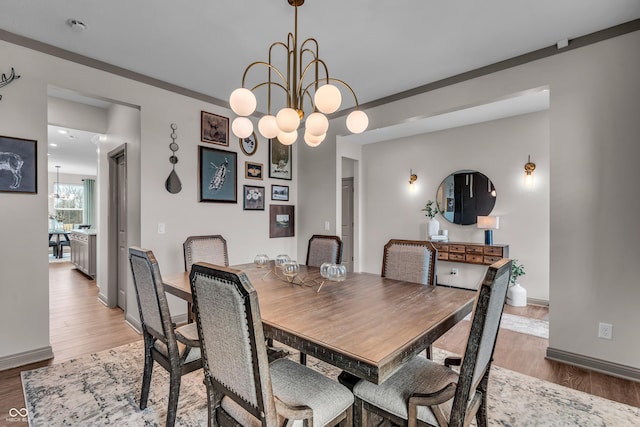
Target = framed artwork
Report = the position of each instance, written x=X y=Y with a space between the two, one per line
x=18 y=165
x=280 y=193
x=252 y=170
x=253 y=198
x=214 y=129
x=279 y=160
x=281 y=221
x=217 y=177
x=249 y=145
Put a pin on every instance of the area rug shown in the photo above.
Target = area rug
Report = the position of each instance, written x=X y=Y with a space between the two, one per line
x=103 y=389
x=524 y=325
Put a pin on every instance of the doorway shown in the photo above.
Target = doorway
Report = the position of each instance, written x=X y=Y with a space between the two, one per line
x=117 y=229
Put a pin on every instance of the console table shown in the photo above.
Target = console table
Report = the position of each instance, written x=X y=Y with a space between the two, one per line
x=471 y=253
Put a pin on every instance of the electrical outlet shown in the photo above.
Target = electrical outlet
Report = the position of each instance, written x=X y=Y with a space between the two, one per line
x=161 y=228
x=454 y=271
x=605 y=330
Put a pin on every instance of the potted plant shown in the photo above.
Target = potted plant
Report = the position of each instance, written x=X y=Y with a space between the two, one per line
x=433 y=225
x=516 y=295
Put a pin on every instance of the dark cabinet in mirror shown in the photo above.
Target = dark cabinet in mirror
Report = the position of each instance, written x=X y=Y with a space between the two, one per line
x=464 y=195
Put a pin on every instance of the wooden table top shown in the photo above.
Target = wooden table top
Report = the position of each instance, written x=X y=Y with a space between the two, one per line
x=367 y=325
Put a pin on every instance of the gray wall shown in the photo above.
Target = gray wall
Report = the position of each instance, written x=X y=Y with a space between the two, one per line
x=594 y=128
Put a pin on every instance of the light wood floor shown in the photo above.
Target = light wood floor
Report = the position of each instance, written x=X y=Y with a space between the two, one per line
x=82 y=325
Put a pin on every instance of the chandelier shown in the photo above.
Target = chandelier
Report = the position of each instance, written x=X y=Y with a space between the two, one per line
x=306 y=84
x=57 y=194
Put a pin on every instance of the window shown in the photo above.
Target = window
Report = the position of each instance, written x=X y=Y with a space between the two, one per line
x=69 y=208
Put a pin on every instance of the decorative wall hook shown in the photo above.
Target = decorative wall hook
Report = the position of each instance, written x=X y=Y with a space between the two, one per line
x=4 y=80
x=173 y=184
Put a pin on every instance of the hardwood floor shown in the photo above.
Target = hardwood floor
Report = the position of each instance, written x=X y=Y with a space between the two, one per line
x=80 y=325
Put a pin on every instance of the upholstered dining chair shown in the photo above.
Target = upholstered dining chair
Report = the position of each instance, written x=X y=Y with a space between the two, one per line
x=64 y=241
x=410 y=261
x=426 y=393
x=243 y=388
x=323 y=249
x=175 y=349
x=55 y=245
x=211 y=249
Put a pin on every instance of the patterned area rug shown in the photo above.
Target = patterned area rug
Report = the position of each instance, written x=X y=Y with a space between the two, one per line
x=104 y=388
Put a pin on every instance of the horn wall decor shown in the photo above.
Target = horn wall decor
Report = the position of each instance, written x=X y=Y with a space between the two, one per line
x=4 y=80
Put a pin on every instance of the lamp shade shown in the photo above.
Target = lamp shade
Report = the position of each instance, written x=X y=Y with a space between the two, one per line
x=328 y=98
x=242 y=127
x=357 y=121
x=312 y=140
x=243 y=102
x=288 y=120
x=268 y=126
x=489 y=222
x=317 y=124
x=288 y=138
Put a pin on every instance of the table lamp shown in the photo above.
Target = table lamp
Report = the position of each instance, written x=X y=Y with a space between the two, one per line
x=489 y=223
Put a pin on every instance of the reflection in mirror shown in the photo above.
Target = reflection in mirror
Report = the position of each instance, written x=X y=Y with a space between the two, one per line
x=464 y=195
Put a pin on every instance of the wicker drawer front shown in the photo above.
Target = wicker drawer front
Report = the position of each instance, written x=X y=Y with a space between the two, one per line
x=492 y=250
x=456 y=257
x=475 y=250
x=444 y=256
x=491 y=259
x=478 y=259
x=441 y=246
x=457 y=248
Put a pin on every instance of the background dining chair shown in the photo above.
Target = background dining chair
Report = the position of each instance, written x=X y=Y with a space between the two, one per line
x=242 y=386
x=420 y=391
x=211 y=249
x=175 y=349
x=54 y=244
x=410 y=261
x=323 y=249
x=64 y=241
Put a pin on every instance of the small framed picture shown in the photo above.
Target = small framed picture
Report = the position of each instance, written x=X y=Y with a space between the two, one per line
x=280 y=193
x=281 y=221
x=18 y=165
x=252 y=170
x=214 y=129
x=249 y=145
x=253 y=198
x=217 y=175
x=279 y=160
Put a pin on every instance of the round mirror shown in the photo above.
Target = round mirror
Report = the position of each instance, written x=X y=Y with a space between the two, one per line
x=464 y=195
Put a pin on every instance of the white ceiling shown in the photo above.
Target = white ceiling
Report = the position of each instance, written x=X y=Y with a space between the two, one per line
x=74 y=151
x=380 y=48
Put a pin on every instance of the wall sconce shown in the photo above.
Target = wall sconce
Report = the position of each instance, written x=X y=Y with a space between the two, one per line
x=489 y=223
x=529 y=167
x=412 y=178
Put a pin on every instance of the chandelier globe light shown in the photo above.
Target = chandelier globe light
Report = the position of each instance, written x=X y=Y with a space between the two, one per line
x=310 y=94
x=56 y=194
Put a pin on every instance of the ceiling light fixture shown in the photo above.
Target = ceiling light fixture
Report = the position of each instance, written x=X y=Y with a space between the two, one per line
x=76 y=25
x=304 y=78
x=56 y=194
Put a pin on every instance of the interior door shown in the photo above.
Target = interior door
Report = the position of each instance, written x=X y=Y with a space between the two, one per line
x=121 y=221
x=347 y=223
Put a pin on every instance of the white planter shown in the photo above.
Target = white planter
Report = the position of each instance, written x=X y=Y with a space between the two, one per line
x=433 y=228
x=517 y=296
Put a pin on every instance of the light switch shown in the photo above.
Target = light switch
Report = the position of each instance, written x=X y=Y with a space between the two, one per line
x=161 y=228
x=327 y=226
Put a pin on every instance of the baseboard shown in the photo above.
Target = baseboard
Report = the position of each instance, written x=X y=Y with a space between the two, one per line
x=535 y=301
x=180 y=319
x=25 y=358
x=593 y=364
x=103 y=299
x=134 y=323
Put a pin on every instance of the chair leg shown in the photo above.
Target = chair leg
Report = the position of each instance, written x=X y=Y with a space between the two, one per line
x=360 y=416
x=146 y=379
x=174 y=394
x=481 y=415
x=213 y=402
x=348 y=421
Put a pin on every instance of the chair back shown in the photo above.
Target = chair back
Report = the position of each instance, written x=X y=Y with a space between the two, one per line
x=324 y=249
x=211 y=249
x=485 y=324
x=152 y=301
x=232 y=339
x=410 y=260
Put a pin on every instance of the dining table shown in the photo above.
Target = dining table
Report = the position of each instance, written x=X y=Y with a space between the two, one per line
x=366 y=325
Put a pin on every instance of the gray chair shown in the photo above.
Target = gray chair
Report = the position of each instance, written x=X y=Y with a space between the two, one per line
x=420 y=393
x=55 y=245
x=211 y=249
x=323 y=249
x=410 y=260
x=65 y=241
x=243 y=388
x=175 y=349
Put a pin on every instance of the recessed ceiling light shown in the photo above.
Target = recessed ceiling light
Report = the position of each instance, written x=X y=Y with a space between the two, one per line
x=63 y=131
x=76 y=25
x=53 y=145
x=71 y=137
